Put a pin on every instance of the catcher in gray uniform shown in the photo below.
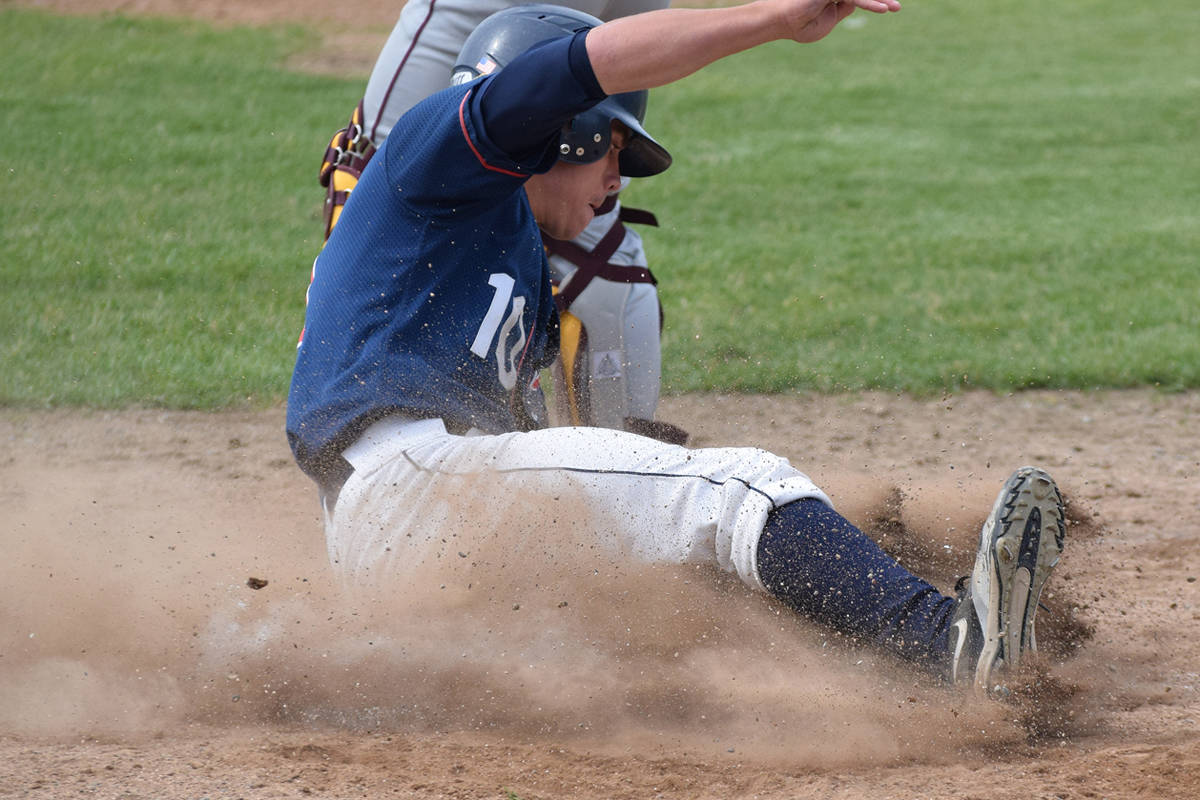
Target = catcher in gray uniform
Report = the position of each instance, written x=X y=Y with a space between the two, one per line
x=609 y=373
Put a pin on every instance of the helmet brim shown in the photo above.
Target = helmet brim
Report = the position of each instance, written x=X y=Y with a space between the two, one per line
x=642 y=155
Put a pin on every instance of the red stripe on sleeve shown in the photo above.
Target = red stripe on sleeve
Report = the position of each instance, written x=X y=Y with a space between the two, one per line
x=462 y=122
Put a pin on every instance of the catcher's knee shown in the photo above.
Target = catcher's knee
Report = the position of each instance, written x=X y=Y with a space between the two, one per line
x=609 y=372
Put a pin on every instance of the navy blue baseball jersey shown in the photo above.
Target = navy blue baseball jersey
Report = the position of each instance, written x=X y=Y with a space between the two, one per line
x=432 y=298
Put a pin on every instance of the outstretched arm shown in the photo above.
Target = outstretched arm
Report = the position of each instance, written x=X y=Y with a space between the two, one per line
x=659 y=47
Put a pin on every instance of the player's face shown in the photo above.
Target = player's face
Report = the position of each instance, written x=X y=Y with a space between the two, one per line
x=565 y=199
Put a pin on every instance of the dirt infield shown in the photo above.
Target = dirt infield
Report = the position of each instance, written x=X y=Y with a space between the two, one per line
x=169 y=628
x=139 y=661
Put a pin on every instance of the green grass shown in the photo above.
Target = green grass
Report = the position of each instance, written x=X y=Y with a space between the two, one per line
x=953 y=196
x=162 y=209
x=950 y=196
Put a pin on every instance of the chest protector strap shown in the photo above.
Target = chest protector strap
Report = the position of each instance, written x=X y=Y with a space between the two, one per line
x=595 y=263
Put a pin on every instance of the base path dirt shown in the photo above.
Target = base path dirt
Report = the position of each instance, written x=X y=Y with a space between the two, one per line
x=170 y=628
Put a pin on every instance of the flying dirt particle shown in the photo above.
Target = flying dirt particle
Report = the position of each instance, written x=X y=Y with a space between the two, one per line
x=1045 y=705
x=256 y=583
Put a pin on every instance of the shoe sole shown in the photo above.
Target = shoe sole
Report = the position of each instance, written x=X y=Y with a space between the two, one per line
x=1019 y=547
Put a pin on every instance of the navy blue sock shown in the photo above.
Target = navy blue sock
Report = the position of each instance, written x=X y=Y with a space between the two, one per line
x=813 y=559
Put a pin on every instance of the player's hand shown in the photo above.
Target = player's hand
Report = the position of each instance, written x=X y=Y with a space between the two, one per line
x=812 y=20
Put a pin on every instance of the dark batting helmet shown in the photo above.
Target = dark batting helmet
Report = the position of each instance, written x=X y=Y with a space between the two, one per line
x=506 y=34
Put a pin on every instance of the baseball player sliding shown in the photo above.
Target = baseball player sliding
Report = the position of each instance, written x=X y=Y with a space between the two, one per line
x=431 y=312
x=611 y=365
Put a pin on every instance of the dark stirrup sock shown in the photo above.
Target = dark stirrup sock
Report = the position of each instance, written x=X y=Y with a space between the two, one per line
x=813 y=559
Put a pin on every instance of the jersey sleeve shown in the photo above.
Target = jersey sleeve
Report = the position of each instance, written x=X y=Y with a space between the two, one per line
x=469 y=146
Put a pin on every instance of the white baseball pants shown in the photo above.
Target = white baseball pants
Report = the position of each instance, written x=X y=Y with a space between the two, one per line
x=419 y=494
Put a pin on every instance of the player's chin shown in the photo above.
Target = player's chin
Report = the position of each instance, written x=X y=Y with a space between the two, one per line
x=578 y=229
x=568 y=228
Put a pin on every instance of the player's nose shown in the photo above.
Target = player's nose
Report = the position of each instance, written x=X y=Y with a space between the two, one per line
x=612 y=172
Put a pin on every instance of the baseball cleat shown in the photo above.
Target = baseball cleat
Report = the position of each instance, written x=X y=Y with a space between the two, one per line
x=1019 y=546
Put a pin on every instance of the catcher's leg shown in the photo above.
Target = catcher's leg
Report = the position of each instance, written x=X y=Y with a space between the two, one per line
x=345 y=158
x=611 y=361
x=611 y=366
x=341 y=183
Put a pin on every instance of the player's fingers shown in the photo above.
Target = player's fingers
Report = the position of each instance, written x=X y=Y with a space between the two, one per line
x=878 y=6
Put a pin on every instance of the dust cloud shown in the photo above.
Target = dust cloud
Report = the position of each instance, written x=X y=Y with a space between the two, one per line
x=129 y=608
